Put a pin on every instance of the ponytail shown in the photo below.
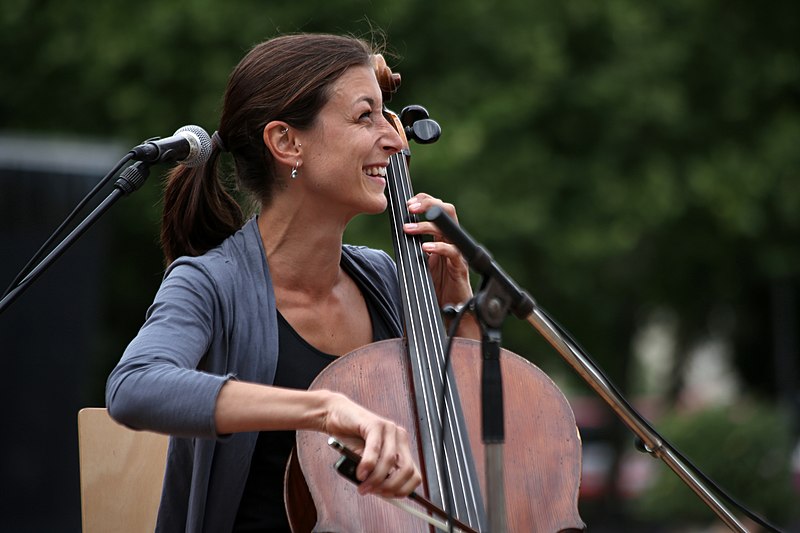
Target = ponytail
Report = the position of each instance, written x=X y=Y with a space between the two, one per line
x=199 y=212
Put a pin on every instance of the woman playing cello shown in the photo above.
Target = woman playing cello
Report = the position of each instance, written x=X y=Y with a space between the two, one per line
x=250 y=311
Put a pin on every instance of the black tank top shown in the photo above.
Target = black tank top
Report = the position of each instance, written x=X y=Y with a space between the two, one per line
x=262 y=508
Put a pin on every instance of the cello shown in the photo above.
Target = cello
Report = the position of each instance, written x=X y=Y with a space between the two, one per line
x=402 y=379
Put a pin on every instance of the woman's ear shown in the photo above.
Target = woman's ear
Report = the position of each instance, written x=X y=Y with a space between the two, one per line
x=281 y=141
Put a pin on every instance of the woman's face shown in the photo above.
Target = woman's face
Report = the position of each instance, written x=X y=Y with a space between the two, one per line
x=346 y=152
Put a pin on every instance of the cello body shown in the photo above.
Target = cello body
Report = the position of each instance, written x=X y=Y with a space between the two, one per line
x=541 y=459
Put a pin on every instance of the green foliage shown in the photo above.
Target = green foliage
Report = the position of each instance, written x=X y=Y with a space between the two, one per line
x=615 y=156
x=744 y=449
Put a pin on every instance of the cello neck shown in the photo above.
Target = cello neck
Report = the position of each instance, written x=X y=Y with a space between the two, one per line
x=447 y=460
x=423 y=320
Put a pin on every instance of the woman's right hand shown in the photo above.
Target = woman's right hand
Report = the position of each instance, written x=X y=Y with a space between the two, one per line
x=387 y=468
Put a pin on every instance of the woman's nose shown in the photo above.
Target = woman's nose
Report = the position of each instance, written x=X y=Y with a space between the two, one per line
x=392 y=142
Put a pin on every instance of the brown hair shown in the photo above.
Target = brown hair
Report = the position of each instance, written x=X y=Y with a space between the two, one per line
x=287 y=78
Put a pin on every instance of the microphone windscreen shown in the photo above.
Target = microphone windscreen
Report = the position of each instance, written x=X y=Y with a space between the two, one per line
x=200 y=143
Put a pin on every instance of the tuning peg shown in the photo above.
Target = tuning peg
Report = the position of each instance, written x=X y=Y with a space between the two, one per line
x=424 y=131
x=412 y=113
x=418 y=126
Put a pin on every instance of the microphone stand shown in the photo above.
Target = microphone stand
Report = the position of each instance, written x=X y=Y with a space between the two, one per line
x=129 y=180
x=491 y=308
x=505 y=294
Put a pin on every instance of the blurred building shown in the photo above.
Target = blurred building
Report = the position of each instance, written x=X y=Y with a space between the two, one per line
x=47 y=335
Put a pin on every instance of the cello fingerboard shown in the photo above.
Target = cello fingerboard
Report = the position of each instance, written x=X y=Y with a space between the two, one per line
x=448 y=460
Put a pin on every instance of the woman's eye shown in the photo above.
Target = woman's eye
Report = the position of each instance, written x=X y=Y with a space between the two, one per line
x=365 y=115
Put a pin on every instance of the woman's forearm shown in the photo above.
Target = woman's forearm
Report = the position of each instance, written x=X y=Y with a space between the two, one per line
x=245 y=406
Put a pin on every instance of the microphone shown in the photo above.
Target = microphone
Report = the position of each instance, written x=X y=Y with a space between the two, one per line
x=190 y=146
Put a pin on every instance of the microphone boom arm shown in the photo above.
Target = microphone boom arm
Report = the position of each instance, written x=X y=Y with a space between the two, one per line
x=525 y=308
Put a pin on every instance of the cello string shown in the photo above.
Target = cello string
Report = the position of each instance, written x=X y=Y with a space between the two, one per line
x=430 y=315
x=435 y=330
x=437 y=376
x=404 y=269
x=447 y=352
x=427 y=315
x=405 y=242
x=413 y=252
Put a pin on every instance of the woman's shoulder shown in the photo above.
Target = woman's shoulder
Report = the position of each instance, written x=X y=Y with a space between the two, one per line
x=377 y=274
x=225 y=262
x=369 y=256
x=228 y=277
x=371 y=264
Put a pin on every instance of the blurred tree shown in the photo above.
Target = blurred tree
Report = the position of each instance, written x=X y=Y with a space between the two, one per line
x=618 y=158
x=754 y=436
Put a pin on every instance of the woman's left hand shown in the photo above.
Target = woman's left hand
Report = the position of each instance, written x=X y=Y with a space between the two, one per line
x=448 y=267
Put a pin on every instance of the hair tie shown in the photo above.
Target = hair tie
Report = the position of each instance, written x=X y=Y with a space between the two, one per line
x=218 y=141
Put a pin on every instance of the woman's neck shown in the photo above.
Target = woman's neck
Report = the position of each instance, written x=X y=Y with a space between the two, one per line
x=303 y=249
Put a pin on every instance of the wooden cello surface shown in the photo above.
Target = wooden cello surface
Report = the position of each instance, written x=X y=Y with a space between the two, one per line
x=401 y=380
x=541 y=452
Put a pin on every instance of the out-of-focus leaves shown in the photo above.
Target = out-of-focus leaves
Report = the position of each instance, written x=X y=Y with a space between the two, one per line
x=744 y=449
x=616 y=157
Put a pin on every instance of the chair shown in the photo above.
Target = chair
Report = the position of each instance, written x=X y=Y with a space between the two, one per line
x=121 y=473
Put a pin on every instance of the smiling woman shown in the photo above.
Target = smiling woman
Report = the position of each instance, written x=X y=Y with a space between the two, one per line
x=341 y=159
x=249 y=312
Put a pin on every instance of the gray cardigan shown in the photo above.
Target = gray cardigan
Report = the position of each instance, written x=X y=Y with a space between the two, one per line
x=214 y=319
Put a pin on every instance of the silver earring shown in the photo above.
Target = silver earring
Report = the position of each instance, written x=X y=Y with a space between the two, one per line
x=294 y=170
